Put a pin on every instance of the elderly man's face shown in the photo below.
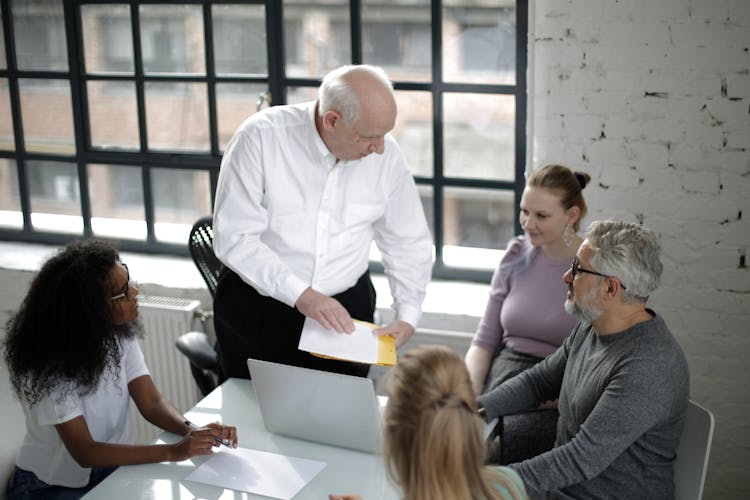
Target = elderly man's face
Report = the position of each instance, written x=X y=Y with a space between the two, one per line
x=583 y=289
x=356 y=140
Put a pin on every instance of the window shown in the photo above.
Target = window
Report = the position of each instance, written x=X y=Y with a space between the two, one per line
x=115 y=126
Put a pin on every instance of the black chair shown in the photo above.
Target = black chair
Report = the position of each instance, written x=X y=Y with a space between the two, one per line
x=201 y=245
x=204 y=363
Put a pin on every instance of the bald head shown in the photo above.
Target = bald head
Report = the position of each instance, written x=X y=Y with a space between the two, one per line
x=356 y=109
x=356 y=91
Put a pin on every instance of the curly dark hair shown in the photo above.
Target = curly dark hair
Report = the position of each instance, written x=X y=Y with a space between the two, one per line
x=63 y=335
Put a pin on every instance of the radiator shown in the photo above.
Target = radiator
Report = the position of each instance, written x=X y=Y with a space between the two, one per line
x=164 y=319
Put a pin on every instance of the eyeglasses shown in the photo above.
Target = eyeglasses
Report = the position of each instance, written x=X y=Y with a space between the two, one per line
x=126 y=293
x=575 y=268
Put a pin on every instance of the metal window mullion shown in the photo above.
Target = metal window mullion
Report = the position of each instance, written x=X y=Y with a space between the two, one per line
x=277 y=83
x=74 y=36
x=355 y=24
x=437 y=129
x=522 y=21
x=210 y=78
x=15 y=106
x=148 y=202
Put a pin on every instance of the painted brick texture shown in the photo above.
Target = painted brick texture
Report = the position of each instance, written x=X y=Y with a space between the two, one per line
x=652 y=99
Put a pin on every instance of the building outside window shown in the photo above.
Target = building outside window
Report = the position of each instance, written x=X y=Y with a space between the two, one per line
x=115 y=125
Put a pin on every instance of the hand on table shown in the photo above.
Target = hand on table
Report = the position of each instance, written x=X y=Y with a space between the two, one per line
x=202 y=440
x=227 y=434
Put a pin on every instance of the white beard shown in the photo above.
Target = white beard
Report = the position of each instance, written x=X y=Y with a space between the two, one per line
x=584 y=308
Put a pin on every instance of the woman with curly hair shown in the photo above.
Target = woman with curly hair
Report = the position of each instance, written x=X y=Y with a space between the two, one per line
x=74 y=362
x=434 y=449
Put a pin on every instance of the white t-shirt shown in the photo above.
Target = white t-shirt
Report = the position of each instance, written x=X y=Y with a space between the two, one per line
x=106 y=413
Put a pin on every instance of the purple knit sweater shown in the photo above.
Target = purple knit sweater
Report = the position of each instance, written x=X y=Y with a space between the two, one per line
x=525 y=308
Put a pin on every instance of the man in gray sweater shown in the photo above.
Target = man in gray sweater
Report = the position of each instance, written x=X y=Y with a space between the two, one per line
x=621 y=379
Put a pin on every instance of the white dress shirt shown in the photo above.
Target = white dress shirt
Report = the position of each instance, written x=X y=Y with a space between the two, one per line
x=289 y=216
x=106 y=411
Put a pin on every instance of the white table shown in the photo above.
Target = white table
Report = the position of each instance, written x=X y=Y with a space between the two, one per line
x=234 y=403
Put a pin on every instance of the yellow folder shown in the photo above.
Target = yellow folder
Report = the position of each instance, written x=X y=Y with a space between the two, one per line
x=386 y=346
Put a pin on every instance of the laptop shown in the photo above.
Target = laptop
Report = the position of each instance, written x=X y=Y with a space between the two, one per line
x=329 y=408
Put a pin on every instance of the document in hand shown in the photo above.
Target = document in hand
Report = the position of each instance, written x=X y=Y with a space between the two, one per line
x=361 y=346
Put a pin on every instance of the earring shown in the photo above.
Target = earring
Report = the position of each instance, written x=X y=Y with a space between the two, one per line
x=568 y=235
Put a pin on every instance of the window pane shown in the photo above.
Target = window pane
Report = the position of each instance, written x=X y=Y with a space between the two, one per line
x=235 y=102
x=477 y=225
x=479 y=136
x=317 y=38
x=55 y=196
x=39 y=30
x=413 y=130
x=7 y=138
x=296 y=95
x=479 y=42
x=117 y=201
x=397 y=37
x=239 y=36
x=180 y=198
x=172 y=39
x=10 y=200
x=107 y=38
x=113 y=114
x=177 y=116
x=47 y=115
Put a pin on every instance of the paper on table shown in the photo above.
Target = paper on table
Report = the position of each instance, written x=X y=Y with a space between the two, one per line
x=258 y=472
x=361 y=345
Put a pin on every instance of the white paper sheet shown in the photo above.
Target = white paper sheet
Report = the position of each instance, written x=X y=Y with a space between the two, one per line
x=258 y=472
x=361 y=345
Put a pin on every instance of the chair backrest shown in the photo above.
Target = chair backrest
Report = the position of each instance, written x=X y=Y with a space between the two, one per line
x=201 y=245
x=692 y=453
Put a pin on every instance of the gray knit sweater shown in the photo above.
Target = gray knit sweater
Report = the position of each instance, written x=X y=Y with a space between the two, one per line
x=622 y=401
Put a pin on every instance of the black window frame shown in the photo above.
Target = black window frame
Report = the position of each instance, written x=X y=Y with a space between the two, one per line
x=277 y=84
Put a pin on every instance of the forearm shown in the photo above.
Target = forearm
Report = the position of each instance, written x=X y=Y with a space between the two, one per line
x=154 y=406
x=478 y=361
x=97 y=454
x=162 y=414
x=510 y=397
x=257 y=264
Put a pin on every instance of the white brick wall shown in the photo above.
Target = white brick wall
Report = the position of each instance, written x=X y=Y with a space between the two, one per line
x=652 y=99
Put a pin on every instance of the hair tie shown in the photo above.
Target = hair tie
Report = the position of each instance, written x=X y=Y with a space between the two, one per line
x=581 y=179
x=453 y=401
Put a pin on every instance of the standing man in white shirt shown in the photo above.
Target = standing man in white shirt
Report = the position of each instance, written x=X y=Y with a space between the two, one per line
x=300 y=198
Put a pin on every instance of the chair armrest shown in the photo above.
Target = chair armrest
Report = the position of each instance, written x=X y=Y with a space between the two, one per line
x=196 y=347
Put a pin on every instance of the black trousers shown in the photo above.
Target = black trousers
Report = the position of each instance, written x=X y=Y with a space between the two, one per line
x=250 y=325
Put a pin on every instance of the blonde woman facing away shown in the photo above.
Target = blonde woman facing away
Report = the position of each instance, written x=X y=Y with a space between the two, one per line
x=525 y=320
x=434 y=449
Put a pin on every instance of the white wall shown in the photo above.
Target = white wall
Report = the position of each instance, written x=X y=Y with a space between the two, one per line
x=652 y=99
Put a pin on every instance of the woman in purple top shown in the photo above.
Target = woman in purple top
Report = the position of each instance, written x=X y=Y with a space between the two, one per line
x=525 y=320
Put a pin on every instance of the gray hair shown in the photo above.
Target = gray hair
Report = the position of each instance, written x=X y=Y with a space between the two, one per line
x=628 y=252
x=335 y=93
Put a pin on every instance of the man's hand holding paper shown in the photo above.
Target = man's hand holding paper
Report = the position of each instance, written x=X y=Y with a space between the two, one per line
x=401 y=331
x=325 y=310
x=362 y=346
